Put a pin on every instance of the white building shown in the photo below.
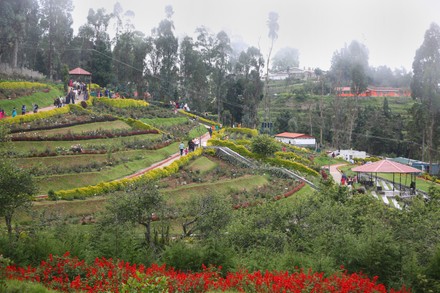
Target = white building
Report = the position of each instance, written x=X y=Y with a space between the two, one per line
x=349 y=155
x=297 y=139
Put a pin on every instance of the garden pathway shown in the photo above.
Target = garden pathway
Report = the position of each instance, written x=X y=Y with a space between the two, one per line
x=335 y=172
x=204 y=138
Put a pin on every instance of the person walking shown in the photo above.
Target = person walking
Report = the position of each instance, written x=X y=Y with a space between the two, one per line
x=181 y=148
x=14 y=112
x=23 y=110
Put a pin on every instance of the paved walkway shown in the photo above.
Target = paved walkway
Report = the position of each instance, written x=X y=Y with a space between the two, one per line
x=335 y=172
x=167 y=161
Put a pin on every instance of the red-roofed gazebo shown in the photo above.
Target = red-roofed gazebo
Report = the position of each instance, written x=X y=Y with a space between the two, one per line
x=387 y=166
x=79 y=71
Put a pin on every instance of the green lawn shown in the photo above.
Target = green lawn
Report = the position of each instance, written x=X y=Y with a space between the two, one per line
x=78 y=129
x=40 y=98
x=165 y=122
x=202 y=165
x=324 y=160
x=79 y=160
x=70 y=181
x=25 y=147
x=184 y=193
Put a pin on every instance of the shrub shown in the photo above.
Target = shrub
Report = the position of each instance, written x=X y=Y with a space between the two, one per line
x=247 y=131
x=264 y=145
x=13 y=85
x=122 y=103
x=207 y=121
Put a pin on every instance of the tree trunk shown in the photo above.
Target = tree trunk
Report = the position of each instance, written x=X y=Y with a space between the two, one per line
x=15 y=54
x=147 y=234
x=185 y=226
x=430 y=141
x=8 y=220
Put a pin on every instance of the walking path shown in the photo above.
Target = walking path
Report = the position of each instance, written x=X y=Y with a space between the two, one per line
x=335 y=172
x=203 y=139
x=167 y=161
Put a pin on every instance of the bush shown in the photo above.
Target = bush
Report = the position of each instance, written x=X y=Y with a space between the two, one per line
x=122 y=103
x=13 y=85
x=264 y=145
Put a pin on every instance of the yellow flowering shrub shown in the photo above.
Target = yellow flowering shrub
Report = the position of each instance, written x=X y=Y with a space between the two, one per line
x=14 y=85
x=122 y=103
x=107 y=187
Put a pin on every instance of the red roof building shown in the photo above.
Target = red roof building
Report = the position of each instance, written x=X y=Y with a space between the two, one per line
x=297 y=139
x=373 y=91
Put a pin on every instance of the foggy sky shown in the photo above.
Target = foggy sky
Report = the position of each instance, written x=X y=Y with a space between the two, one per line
x=392 y=30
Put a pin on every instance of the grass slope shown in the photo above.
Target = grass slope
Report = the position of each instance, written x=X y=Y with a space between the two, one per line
x=184 y=193
x=24 y=147
x=78 y=129
x=70 y=181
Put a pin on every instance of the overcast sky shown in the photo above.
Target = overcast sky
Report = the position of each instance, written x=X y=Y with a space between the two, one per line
x=392 y=30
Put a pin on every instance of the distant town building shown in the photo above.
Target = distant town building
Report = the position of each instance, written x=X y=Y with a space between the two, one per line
x=293 y=73
x=297 y=139
x=373 y=91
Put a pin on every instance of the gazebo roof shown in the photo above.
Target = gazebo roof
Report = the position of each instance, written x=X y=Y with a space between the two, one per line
x=386 y=166
x=79 y=71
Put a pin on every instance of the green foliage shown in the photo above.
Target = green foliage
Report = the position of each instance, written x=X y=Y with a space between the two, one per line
x=191 y=257
x=17 y=188
x=264 y=145
x=137 y=124
x=293 y=157
x=15 y=286
x=144 y=284
x=243 y=130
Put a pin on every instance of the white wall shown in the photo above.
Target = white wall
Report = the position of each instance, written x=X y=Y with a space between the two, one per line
x=298 y=141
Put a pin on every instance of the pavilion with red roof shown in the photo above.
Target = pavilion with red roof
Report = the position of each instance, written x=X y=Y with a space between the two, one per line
x=80 y=71
x=387 y=166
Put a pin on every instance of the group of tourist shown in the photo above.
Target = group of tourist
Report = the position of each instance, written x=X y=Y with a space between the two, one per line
x=192 y=145
x=348 y=180
x=14 y=111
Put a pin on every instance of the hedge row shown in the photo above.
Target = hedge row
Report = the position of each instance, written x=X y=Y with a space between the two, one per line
x=292 y=156
x=247 y=131
x=275 y=161
x=201 y=119
x=137 y=124
x=13 y=85
x=296 y=148
x=122 y=103
x=107 y=187
x=236 y=148
x=292 y=165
